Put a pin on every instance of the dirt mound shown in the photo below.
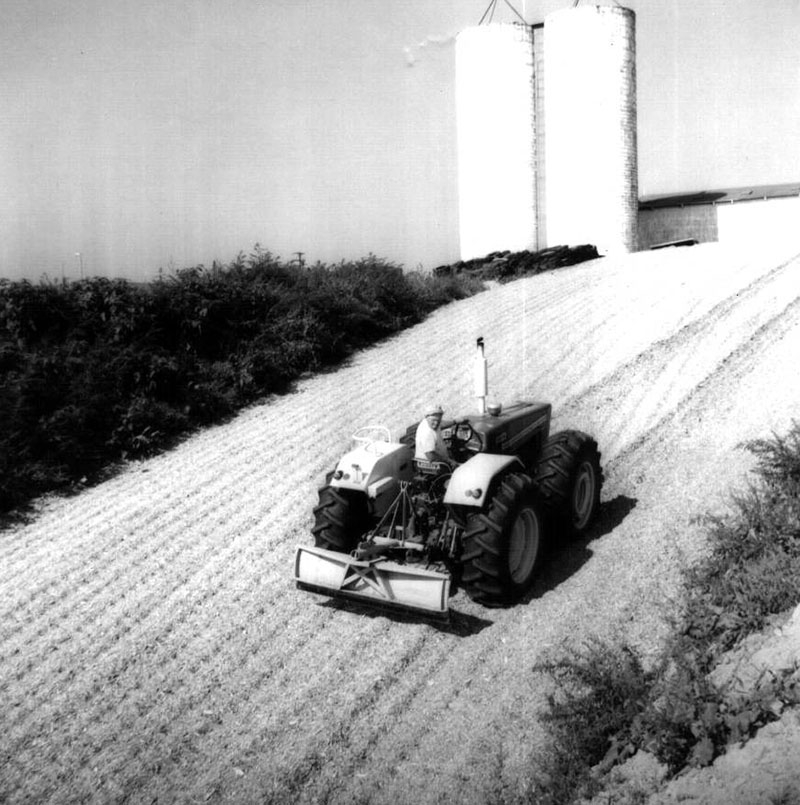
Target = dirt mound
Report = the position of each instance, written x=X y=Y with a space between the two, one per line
x=152 y=645
x=506 y=266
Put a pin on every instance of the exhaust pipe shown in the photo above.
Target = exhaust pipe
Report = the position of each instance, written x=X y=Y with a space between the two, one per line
x=481 y=378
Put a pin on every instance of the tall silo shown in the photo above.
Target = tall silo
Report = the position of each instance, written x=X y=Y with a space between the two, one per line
x=538 y=110
x=590 y=120
x=496 y=145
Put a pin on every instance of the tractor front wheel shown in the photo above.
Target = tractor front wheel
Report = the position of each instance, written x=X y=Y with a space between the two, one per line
x=569 y=478
x=340 y=519
x=503 y=546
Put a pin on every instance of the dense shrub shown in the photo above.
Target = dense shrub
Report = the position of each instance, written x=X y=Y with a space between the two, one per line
x=606 y=706
x=597 y=697
x=98 y=370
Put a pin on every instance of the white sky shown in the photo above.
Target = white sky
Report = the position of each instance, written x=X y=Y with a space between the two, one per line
x=167 y=133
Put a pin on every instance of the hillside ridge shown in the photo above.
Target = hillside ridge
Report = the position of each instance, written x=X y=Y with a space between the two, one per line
x=152 y=644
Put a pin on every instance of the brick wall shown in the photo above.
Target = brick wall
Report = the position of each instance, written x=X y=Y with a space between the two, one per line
x=745 y=222
x=678 y=223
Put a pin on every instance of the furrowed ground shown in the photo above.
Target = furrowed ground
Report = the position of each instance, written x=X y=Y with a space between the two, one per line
x=153 y=646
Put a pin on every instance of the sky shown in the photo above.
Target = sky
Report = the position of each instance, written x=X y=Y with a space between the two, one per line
x=163 y=134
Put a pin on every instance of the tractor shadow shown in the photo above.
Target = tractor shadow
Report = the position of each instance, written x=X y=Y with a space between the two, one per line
x=459 y=624
x=569 y=555
x=561 y=562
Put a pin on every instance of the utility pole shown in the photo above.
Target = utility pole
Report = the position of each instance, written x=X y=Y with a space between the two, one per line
x=80 y=257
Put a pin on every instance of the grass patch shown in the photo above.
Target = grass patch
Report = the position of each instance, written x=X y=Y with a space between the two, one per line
x=607 y=705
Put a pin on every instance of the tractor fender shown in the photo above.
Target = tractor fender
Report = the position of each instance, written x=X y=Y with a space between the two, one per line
x=368 y=468
x=472 y=481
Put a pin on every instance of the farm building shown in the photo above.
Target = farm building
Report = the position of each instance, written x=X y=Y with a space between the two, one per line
x=737 y=215
x=547 y=146
x=547 y=142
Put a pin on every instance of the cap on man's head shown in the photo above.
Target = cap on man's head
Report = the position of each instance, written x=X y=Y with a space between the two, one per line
x=434 y=409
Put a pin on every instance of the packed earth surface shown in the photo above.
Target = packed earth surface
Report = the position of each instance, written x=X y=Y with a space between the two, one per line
x=154 y=648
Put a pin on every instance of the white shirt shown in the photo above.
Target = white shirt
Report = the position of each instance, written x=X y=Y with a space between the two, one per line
x=428 y=440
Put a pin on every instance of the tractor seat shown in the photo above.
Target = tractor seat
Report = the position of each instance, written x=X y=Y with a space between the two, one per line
x=424 y=467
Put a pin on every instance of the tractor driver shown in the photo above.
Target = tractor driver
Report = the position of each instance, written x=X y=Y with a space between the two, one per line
x=429 y=443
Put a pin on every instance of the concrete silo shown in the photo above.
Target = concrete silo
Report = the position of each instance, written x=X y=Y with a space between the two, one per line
x=590 y=113
x=496 y=139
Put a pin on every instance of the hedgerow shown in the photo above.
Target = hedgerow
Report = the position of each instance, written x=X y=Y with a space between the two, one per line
x=607 y=704
x=100 y=370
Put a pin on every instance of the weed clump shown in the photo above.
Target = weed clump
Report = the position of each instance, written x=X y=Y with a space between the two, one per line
x=591 y=715
x=607 y=706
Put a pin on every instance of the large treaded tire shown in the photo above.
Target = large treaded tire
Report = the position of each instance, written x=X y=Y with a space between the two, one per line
x=340 y=519
x=503 y=545
x=569 y=478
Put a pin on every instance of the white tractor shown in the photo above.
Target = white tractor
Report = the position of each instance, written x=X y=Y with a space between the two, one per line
x=397 y=531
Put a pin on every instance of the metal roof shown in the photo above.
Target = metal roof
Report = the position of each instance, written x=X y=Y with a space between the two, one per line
x=724 y=196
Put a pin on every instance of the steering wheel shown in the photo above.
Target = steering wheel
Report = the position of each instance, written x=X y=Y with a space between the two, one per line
x=464 y=440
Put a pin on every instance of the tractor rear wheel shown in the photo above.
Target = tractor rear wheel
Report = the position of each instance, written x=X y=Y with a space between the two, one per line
x=503 y=546
x=569 y=478
x=340 y=519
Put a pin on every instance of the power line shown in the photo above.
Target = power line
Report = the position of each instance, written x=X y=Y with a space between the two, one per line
x=490 y=9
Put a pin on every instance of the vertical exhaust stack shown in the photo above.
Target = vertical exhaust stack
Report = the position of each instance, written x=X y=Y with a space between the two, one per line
x=481 y=378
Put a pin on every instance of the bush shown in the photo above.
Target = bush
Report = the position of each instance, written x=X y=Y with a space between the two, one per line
x=606 y=707
x=100 y=370
x=598 y=696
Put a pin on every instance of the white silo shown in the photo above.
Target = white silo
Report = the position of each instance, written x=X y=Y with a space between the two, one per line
x=590 y=114
x=496 y=143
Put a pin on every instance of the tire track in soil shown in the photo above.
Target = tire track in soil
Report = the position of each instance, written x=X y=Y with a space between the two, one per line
x=116 y=615
x=182 y=694
x=773 y=330
x=354 y=759
x=741 y=362
x=234 y=687
x=342 y=750
x=167 y=511
x=267 y=727
x=743 y=312
x=122 y=627
x=389 y=799
x=138 y=555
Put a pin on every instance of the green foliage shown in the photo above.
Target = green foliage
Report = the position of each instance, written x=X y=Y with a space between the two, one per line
x=779 y=459
x=598 y=696
x=99 y=370
x=606 y=706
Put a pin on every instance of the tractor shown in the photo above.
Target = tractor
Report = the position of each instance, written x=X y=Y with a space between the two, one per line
x=400 y=531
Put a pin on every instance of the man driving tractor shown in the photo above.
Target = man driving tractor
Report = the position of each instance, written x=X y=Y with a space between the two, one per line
x=430 y=445
x=475 y=507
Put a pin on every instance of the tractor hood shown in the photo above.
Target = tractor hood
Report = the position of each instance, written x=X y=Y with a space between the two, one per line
x=508 y=431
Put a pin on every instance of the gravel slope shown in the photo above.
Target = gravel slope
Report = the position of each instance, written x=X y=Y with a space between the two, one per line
x=153 y=647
